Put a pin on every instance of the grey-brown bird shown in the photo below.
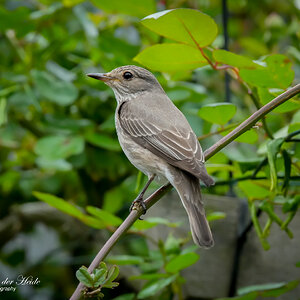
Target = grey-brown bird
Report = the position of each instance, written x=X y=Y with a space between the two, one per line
x=158 y=140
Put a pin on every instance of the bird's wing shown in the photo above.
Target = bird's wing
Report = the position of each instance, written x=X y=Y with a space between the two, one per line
x=178 y=146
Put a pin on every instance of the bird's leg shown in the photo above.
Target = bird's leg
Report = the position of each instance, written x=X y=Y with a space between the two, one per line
x=139 y=201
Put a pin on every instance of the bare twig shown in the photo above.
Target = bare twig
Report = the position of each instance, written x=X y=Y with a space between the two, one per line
x=151 y=200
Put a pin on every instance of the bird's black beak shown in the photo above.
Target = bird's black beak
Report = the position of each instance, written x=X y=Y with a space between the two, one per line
x=100 y=76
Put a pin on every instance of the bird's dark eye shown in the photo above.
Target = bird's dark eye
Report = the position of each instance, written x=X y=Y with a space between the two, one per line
x=127 y=75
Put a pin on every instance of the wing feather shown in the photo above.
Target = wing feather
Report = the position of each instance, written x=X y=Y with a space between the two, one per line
x=179 y=146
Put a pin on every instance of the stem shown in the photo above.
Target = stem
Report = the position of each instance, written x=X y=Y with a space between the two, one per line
x=256 y=103
x=152 y=199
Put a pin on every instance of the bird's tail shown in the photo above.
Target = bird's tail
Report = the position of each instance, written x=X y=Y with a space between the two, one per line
x=188 y=188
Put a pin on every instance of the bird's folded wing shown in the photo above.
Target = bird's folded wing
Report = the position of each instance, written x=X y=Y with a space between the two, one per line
x=180 y=149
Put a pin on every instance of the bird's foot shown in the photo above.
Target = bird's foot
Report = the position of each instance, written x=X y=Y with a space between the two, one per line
x=137 y=203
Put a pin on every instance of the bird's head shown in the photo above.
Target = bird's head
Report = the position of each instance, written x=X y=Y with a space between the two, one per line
x=128 y=81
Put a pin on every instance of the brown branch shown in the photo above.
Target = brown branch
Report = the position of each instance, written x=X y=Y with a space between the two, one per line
x=151 y=200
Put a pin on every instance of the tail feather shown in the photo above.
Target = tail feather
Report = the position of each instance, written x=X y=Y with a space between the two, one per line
x=188 y=188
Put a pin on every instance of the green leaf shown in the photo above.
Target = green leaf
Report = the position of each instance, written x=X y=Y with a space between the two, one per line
x=217 y=215
x=251 y=296
x=113 y=273
x=102 y=141
x=85 y=277
x=253 y=189
x=181 y=262
x=59 y=146
x=171 y=58
x=53 y=165
x=151 y=276
x=46 y=11
x=269 y=289
x=16 y=19
x=105 y=216
x=278 y=73
x=217 y=113
x=129 y=7
x=291 y=205
x=130 y=296
x=273 y=148
x=154 y=287
x=99 y=277
x=3 y=113
x=125 y=260
x=60 y=204
x=183 y=25
x=88 y=26
x=69 y=209
x=60 y=92
x=152 y=222
x=235 y=60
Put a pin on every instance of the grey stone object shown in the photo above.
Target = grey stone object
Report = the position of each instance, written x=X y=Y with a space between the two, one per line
x=210 y=277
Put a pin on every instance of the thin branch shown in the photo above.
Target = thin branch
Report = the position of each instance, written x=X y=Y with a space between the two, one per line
x=247 y=124
x=151 y=200
x=257 y=105
x=204 y=136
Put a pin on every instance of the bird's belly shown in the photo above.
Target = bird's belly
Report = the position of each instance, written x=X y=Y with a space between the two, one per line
x=144 y=160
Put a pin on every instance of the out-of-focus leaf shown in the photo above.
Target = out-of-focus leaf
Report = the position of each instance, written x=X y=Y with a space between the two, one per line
x=291 y=204
x=60 y=72
x=106 y=217
x=130 y=296
x=59 y=147
x=154 y=287
x=46 y=11
x=254 y=46
x=253 y=189
x=183 y=25
x=171 y=57
x=17 y=19
x=217 y=113
x=69 y=209
x=129 y=7
x=125 y=260
x=50 y=164
x=61 y=92
x=152 y=222
x=88 y=26
x=181 y=262
x=235 y=60
x=102 y=141
x=60 y=204
x=273 y=147
x=3 y=116
x=151 y=276
x=269 y=289
x=71 y=3
x=277 y=73
x=217 y=215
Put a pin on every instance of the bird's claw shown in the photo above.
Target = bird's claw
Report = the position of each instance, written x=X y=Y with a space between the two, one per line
x=136 y=204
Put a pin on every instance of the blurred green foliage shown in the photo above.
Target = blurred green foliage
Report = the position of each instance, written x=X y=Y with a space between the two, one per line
x=57 y=131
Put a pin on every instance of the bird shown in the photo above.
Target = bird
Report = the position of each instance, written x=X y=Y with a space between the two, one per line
x=158 y=140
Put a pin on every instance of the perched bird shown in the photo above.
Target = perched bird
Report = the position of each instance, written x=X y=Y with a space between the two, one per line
x=158 y=140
